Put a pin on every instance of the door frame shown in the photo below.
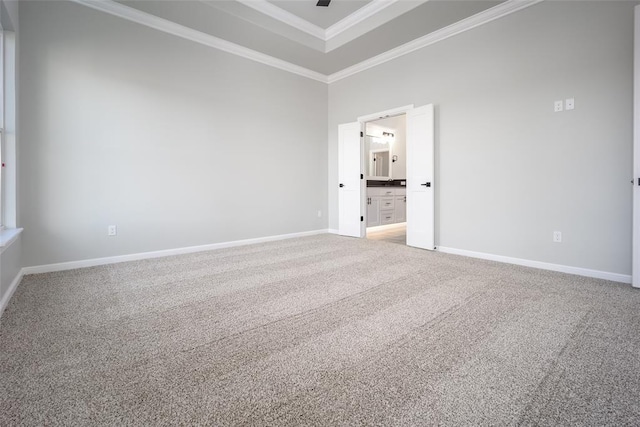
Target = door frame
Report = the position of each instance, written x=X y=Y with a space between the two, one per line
x=386 y=113
x=398 y=111
x=635 y=226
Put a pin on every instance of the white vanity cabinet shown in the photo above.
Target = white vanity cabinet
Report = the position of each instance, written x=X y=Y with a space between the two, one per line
x=400 y=209
x=373 y=211
x=386 y=205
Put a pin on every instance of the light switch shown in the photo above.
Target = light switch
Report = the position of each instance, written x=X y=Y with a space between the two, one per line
x=569 y=104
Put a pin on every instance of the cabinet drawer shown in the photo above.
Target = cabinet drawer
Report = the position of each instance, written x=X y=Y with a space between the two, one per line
x=386 y=203
x=386 y=217
x=380 y=191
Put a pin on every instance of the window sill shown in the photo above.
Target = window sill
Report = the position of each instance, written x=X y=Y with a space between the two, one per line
x=8 y=236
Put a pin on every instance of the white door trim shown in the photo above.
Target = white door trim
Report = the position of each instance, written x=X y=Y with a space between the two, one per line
x=387 y=113
x=406 y=109
x=635 y=250
x=363 y=122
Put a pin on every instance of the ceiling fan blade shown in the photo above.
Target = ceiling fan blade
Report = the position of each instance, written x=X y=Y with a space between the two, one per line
x=323 y=3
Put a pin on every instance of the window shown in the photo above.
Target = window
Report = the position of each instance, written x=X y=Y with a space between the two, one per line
x=7 y=130
x=2 y=148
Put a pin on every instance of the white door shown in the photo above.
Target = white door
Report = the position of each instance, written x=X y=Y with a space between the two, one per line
x=420 y=174
x=350 y=219
x=635 y=252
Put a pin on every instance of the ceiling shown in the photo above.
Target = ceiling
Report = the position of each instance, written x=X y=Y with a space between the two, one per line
x=323 y=17
x=324 y=40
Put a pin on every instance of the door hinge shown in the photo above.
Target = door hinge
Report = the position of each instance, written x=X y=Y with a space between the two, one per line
x=361 y=134
x=361 y=219
x=361 y=176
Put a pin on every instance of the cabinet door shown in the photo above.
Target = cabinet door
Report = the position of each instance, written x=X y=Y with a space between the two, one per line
x=386 y=203
x=373 y=211
x=387 y=217
x=400 y=210
x=387 y=192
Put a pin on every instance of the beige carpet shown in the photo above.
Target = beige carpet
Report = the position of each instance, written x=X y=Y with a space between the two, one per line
x=322 y=330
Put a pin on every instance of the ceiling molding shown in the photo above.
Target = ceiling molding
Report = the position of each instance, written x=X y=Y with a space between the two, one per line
x=359 y=16
x=392 y=10
x=113 y=8
x=365 y=12
x=286 y=17
x=503 y=9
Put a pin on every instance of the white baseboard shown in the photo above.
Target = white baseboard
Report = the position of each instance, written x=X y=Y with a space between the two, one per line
x=157 y=254
x=615 y=277
x=12 y=288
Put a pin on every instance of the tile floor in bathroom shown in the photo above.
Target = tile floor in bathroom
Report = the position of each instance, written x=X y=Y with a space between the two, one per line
x=397 y=234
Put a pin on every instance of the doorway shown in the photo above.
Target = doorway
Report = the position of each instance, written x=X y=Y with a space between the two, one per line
x=384 y=161
x=419 y=184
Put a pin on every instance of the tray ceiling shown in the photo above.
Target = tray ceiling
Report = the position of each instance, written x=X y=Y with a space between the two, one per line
x=316 y=41
x=323 y=17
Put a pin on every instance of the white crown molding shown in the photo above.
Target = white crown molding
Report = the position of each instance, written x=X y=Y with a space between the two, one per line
x=503 y=9
x=286 y=17
x=143 y=18
x=597 y=274
x=365 y=12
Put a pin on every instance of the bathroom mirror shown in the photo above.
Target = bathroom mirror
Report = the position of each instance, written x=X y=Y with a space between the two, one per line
x=379 y=164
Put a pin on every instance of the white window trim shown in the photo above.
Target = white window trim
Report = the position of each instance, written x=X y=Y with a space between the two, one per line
x=8 y=205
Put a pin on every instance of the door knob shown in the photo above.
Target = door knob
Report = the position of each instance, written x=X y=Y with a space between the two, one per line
x=426 y=184
x=341 y=185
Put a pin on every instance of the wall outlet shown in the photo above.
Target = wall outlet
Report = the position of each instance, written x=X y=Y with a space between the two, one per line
x=112 y=230
x=319 y=214
x=557 y=236
x=569 y=104
x=557 y=106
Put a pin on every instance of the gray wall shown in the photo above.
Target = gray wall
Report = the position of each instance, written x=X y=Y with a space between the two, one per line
x=176 y=143
x=510 y=171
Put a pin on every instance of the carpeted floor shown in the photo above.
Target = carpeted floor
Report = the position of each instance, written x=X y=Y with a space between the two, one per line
x=323 y=330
